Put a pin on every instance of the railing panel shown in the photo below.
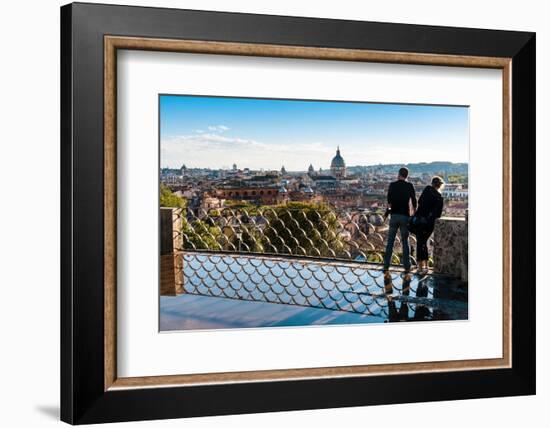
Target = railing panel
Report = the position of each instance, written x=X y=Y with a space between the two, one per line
x=337 y=286
x=305 y=232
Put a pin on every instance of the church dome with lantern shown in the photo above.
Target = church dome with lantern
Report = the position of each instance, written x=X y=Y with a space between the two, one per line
x=338 y=165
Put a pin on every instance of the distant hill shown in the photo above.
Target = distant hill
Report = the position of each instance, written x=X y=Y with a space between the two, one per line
x=415 y=168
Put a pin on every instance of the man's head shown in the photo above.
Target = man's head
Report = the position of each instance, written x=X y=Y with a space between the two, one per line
x=438 y=182
x=403 y=173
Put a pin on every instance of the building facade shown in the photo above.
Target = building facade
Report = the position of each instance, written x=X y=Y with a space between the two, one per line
x=261 y=195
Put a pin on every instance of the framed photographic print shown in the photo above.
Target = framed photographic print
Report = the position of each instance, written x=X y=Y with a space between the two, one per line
x=265 y=213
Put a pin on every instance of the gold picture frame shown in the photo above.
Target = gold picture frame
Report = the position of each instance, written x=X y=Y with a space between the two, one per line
x=114 y=43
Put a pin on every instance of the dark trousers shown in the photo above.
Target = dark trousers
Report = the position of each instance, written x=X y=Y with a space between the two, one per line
x=398 y=221
x=422 y=237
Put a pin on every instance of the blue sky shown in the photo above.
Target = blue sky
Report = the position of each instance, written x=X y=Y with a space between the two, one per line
x=216 y=132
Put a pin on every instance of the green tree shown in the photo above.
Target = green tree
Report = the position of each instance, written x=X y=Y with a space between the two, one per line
x=240 y=205
x=302 y=229
x=457 y=178
x=169 y=199
x=199 y=235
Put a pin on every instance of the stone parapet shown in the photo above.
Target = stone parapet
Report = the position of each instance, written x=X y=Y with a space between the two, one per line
x=450 y=249
x=171 y=261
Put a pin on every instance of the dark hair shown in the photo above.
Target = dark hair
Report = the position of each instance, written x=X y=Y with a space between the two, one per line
x=403 y=172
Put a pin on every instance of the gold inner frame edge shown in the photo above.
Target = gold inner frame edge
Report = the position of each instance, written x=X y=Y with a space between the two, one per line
x=113 y=43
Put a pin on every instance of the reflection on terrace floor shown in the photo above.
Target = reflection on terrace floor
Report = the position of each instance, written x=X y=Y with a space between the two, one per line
x=243 y=291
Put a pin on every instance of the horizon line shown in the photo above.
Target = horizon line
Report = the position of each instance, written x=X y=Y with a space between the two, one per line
x=327 y=168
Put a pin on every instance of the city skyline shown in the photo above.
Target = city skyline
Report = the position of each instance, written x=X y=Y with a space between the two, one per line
x=215 y=132
x=327 y=170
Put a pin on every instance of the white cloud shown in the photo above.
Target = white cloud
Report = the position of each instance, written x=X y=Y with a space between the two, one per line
x=213 y=150
x=206 y=140
x=218 y=128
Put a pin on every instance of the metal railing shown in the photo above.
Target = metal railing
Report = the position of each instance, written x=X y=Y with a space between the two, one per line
x=310 y=257
x=336 y=286
x=325 y=285
x=311 y=231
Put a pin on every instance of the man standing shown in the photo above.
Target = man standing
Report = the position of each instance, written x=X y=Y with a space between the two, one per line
x=400 y=193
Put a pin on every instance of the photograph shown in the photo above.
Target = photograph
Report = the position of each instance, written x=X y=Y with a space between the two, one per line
x=294 y=213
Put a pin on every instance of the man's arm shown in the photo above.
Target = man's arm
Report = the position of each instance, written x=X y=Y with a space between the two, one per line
x=413 y=196
x=388 y=210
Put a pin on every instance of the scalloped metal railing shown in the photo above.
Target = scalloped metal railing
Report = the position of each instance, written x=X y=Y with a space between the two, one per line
x=302 y=232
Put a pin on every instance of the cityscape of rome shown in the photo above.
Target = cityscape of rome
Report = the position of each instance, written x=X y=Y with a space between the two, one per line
x=347 y=189
x=277 y=212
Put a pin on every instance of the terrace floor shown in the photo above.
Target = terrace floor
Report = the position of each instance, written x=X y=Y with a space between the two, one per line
x=237 y=291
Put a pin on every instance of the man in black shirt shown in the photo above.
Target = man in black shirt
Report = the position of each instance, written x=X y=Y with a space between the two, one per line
x=401 y=195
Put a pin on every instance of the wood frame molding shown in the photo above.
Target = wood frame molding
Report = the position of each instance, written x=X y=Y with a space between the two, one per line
x=113 y=43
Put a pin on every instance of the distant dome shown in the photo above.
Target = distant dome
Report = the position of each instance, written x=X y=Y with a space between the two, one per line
x=338 y=160
x=338 y=166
